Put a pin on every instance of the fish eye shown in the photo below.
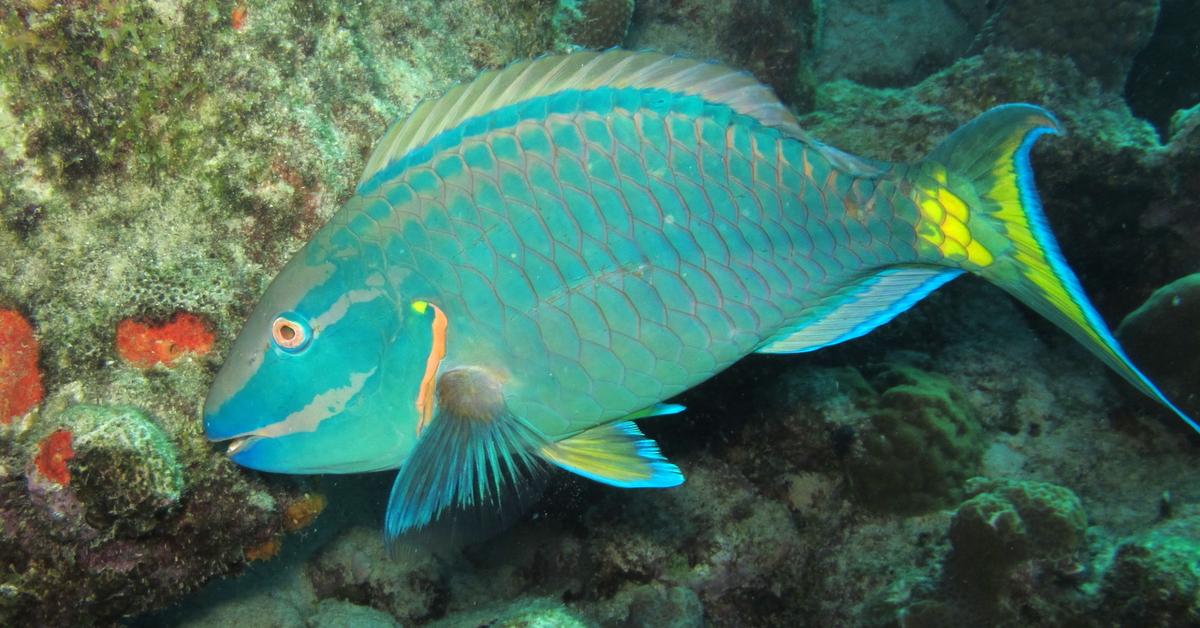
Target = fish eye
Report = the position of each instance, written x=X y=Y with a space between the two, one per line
x=290 y=333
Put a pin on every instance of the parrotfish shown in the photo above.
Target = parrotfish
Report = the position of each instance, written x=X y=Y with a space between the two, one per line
x=546 y=254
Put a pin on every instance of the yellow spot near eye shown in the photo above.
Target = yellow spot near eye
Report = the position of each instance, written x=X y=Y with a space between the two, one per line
x=420 y=306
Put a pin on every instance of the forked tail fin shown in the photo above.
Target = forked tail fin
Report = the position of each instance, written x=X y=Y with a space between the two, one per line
x=979 y=211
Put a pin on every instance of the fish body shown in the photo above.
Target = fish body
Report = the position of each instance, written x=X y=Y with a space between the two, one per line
x=550 y=251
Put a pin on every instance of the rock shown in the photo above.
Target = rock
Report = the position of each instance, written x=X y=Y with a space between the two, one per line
x=1163 y=339
x=1154 y=578
x=409 y=585
x=771 y=40
x=1101 y=38
x=890 y=44
x=1163 y=79
x=596 y=24
x=336 y=614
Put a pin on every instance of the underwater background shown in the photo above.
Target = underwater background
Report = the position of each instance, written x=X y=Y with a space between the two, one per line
x=967 y=464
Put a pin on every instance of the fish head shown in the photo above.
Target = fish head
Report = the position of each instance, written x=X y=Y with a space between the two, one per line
x=325 y=375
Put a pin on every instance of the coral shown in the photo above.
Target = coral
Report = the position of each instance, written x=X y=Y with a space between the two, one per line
x=1005 y=522
x=411 y=586
x=919 y=445
x=1154 y=578
x=597 y=24
x=301 y=513
x=1163 y=338
x=154 y=159
x=126 y=469
x=20 y=378
x=53 y=453
x=237 y=17
x=519 y=613
x=147 y=345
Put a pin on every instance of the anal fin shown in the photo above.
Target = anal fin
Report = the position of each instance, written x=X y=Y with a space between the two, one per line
x=859 y=308
x=617 y=454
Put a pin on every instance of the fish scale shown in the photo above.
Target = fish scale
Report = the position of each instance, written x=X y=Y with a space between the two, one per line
x=547 y=253
x=760 y=273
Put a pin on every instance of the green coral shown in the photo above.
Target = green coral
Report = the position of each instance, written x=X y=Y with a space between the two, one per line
x=1006 y=521
x=1154 y=579
x=125 y=471
x=918 y=445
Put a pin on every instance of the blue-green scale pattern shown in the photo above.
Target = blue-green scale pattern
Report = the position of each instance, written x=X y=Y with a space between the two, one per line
x=605 y=250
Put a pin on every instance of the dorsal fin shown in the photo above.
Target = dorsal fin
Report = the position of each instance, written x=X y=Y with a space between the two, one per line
x=581 y=71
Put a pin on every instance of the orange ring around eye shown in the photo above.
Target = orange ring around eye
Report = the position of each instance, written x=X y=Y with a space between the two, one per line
x=288 y=334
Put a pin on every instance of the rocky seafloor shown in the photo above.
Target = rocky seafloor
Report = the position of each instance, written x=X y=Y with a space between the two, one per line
x=966 y=465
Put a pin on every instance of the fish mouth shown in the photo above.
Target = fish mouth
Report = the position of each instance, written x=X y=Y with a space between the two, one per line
x=238 y=444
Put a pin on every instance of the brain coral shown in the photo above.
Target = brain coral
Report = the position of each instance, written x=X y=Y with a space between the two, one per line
x=919 y=444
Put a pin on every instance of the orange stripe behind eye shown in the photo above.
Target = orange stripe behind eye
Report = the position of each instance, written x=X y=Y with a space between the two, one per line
x=437 y=351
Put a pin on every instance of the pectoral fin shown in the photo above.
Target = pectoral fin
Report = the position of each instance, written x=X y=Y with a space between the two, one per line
x=471 y=447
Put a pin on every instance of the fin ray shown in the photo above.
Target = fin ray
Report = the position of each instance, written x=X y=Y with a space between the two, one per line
x=856 y=310
x=617 y=454
x=580 y=71
x=467 y=453
x=984 y=167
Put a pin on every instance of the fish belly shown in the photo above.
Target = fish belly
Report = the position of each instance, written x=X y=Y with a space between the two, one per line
x=606 y=262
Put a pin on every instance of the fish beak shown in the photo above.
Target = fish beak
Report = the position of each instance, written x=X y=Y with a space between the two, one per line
x=237 y=444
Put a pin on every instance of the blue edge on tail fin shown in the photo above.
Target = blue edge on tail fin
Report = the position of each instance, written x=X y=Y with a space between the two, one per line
x=1041 y=228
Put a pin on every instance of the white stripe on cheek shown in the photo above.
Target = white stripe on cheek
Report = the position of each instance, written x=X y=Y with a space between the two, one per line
x=325 y=405
x=341 y=306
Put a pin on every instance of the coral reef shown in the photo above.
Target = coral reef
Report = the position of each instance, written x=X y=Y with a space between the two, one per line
x=1017 y=557
x=411 y=586
x=158 y=164
x=916 y=411
x=20 y=379
x=98 y=517
x=597 y=24
x=1154 y=578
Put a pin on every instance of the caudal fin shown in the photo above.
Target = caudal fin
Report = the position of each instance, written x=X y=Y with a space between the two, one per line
x=979 y=211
